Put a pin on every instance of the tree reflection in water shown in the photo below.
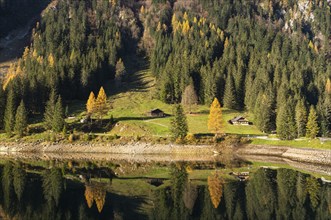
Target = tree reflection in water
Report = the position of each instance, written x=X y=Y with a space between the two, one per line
x=80 y=192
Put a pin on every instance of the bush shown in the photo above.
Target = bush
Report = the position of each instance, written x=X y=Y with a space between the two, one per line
x=190 y=138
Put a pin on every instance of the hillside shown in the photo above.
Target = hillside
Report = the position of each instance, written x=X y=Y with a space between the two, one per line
x=266 y=59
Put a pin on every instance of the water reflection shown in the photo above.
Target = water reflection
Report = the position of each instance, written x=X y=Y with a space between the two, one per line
x=31 y=190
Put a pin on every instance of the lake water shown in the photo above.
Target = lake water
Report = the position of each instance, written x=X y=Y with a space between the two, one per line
x=36 y=189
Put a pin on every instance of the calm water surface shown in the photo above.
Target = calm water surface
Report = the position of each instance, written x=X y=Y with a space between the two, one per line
x=181 y=190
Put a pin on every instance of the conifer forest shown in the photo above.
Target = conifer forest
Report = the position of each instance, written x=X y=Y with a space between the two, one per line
x=271 y=58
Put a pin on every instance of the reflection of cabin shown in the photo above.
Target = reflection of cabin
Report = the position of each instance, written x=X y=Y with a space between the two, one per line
x=156 y=113
x=241 y=176
x=240 y=120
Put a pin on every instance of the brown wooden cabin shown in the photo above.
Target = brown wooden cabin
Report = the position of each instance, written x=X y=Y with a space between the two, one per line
x=240 y=120
x=156 y=113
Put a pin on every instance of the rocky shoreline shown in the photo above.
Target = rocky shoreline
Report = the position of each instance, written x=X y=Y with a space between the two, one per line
x=171 y=151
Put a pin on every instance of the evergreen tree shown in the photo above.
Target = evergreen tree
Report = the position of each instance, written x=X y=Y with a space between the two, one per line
x=264 y=112
x=324 y=112
x=90 y=104
x=301 y=118
x=179 y=127
x=54 y=113
x=21 y=120
x=50 y=110
x=120 y=71
x=312 y=128
x=2 y=106
x=215 y=117
x=229 y=98
x=189 y=96
x=286 y=127
x=9 y=118
x=58 y=118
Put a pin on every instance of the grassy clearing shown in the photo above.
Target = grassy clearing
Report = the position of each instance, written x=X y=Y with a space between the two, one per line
x=315 y=144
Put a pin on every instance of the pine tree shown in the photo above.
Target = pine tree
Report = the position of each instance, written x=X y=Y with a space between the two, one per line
x=54 y=113
x=120 y=71
x=90 y=104
x=2 y=106
x=21 y=120
x=9 y=117
x=215 y=117
x=229 y=99
x=50 y=110
x=101 y=103
x=58 y=118
x=179 y=127
x=189 y=96
x=264 y=111
x=301 y=118
x=312 y=128
x=286 y=127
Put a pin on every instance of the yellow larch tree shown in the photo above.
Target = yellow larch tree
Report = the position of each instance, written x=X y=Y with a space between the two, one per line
x=89 y=196
x=226 y=42
x=100 y=197
x=101 y=103
x=51 y=60
x=328 y=86
x=186 y=27
x=142 y=10
x=215 y=117
x=215 y=187
x=26 y=53
x=90 y=104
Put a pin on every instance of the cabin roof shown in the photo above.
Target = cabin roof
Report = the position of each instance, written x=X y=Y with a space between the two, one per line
x=238 y=118
x=156 y=110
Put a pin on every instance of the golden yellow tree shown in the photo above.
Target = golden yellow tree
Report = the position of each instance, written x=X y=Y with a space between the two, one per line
x=90 y=105
x=51 y=60
x=186 y=27
x=26 y=53
x=101 y=103
x=89 y=195
x=100 y=197
x=215 y=187
x=142 y=10
x=226 y=42
x=215 y=117
x=328 y=86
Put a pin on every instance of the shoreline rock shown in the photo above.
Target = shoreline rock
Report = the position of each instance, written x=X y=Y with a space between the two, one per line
x=305 y=155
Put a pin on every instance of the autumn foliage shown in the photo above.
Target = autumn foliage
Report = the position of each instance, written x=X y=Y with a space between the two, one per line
x=215 y=117
x=215 y=187
x=95 y=193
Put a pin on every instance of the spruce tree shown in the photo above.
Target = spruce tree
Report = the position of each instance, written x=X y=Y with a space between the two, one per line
x=229 y=98
x=189 y=96
x=264 y=111
x=324 y=113
x=21 y=120
x=2 y=106
x=179 y=127
x=58 y=118
x=9 y=118
x=312 y=128
x=120 y=71
x=215 y=117
x=50 y=110
x=301 y=118
x=286 y=127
